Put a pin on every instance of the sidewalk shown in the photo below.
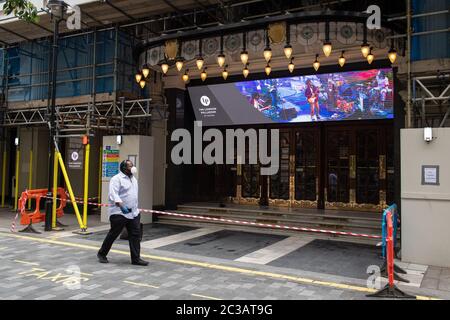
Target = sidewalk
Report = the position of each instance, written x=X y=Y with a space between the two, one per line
x=326 y=267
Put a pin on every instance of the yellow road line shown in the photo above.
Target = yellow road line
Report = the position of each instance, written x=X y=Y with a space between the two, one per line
x=210 y=266
x=206 y=297
x=140 y=284
x=26 y=262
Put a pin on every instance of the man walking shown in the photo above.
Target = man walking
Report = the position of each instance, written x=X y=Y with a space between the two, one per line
x=123 y=212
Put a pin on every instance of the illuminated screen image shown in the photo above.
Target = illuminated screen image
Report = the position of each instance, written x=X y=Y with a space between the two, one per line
x=355 y=95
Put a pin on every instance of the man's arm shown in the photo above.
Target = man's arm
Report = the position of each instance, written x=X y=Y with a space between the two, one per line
x=114 y=187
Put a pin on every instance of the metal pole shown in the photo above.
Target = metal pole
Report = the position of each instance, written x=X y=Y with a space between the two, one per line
x=48 y=203
x=408 y=62
x=4 y=175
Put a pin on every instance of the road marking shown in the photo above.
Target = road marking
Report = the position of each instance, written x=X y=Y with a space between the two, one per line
x=179 y=237
x=3 y=248
x=206 y=265
x=140 y=284
x=274 y=251
x=26 y=262
x=206 y=297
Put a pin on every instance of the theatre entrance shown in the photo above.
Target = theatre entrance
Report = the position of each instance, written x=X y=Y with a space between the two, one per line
x=323 y=165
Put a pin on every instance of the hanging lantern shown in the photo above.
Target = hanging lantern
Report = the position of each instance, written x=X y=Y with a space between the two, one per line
x=291 y=66
x=392 y=54
x=327 y=49
x=145 y=71
x=365 y=49
x=341 y=59
x=142 y=83
x=244 y=57
x=203 y=75
x=245 y=71
x=164 y=67
x=288 y=51
x=225 y=73
x=268 y=68
x=200 y=62
x=316 y=63
x=267 y=54
x=185 y=76
x=221 y=59
x=179 y=63
x=370 y=57
x=138 y=77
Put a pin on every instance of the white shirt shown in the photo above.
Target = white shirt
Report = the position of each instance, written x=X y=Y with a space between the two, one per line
x=123 y=189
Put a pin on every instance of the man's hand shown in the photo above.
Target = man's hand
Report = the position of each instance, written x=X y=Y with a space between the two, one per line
x=125 y=210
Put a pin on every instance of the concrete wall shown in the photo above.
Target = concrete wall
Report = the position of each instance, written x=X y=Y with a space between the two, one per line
x=159 y=167
x=425 y=208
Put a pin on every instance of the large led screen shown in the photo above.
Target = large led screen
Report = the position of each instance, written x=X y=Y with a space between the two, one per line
x=355 y=95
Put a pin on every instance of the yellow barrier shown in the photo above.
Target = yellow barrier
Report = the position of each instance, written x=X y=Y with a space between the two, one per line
x=16 y=193
x=69 y=188
x=86 y=184
x=4 y=177
x=55 y=189
x=30 y=177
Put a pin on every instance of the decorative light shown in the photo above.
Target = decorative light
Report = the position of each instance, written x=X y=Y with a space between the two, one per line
x=225 y=73
x=138 y=77
x=179 y=61
x=221 y=56
x=327 y=48
x=291 y=65
x=316 y=63
x=267 y=54
x=288 y=47
x=244 y=53
x=203 y=75
x=164 y=67
x=145 y=70
x=221 y=59
x=341 y=59
x=142 y=83
x=267 y=50
x=365 y=49
x=370 y=57
x=268 y=68
x=179 y=64
x=200 y=63
x=327 y=44
x=245 y=71
x=244 y=57
x=392 y=54
x=288 y=51
x=185 y=76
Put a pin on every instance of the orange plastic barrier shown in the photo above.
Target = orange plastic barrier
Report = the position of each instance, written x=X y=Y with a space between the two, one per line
x=27 y=217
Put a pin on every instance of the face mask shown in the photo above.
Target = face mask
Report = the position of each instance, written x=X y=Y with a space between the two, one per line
x=133 y=170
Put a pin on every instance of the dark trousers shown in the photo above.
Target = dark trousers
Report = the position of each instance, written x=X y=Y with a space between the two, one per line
x=118 y=222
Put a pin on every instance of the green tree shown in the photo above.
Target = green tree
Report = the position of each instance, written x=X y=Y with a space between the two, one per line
x=22 y=9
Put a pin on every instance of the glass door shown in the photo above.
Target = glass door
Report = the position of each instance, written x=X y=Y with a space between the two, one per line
x=306 y=174
x=367 y=166
x=338 y=157
x=279 y=182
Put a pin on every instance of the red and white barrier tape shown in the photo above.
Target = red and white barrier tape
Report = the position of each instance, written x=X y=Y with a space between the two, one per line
x=266 y=225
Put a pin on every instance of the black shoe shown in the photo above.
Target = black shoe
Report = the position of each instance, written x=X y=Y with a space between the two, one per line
x=140 y=262
x=102 y=259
